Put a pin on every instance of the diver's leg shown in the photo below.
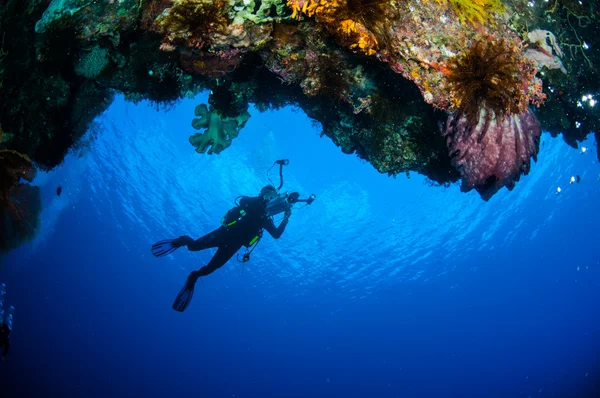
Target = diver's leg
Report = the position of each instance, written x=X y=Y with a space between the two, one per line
x=223 y=254
x=211 y=239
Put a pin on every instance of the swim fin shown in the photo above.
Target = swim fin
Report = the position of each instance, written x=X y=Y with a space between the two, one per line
x=183 y=299
x=163 y=248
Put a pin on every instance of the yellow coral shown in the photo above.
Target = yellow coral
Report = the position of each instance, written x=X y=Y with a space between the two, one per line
x=348 y=26
x=360 y=35
x=329 y=12
x=324 y=9
x=367 y=43
x=475 y=11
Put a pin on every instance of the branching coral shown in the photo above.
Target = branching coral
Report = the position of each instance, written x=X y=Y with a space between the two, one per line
x=218 y=131
x=494 y=151
x=192 y=22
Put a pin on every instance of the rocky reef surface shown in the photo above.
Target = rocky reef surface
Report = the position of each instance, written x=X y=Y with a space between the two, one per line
x=456 y=90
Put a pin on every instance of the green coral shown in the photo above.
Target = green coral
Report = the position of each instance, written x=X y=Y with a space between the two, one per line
x=242 y=10
x=91 y=64
x=219 y=131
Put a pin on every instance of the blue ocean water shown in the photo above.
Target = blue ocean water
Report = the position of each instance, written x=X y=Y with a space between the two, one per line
x=382 y=287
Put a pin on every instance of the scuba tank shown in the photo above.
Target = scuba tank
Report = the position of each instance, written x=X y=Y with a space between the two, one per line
x=233 y=216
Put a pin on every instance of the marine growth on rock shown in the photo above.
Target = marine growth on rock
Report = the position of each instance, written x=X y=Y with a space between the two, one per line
x=378 y=76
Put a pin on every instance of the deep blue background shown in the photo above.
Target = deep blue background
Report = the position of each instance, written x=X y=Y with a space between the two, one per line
x=382 y=288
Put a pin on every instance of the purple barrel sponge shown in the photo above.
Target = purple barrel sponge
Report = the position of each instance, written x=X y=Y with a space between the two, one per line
x=494 y=152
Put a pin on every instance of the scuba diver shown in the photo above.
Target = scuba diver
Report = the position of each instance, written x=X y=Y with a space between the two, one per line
x=241 y=226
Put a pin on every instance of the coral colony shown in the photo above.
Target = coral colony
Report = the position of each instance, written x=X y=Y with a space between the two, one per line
x=456 y=90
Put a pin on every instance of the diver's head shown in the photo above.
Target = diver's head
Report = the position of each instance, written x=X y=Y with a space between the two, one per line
x=4 y=330
x=268 y=192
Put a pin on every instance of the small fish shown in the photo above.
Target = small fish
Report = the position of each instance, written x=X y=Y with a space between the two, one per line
x=58 y=191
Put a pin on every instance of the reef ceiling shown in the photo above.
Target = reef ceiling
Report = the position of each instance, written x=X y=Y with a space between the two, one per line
x=456 y=90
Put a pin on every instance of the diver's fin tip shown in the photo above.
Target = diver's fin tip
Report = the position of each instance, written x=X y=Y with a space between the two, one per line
x=183 y=299
x=163 y=248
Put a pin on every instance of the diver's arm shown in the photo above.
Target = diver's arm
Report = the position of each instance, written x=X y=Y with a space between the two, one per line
x=276 y=232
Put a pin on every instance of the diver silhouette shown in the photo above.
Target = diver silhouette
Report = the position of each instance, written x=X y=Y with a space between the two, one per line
x=241 y=226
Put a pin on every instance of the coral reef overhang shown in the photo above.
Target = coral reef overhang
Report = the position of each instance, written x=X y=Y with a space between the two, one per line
x=372 y=74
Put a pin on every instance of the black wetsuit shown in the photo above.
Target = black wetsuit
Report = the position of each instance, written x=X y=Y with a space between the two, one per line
x=230 y=239
x=4 y=340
